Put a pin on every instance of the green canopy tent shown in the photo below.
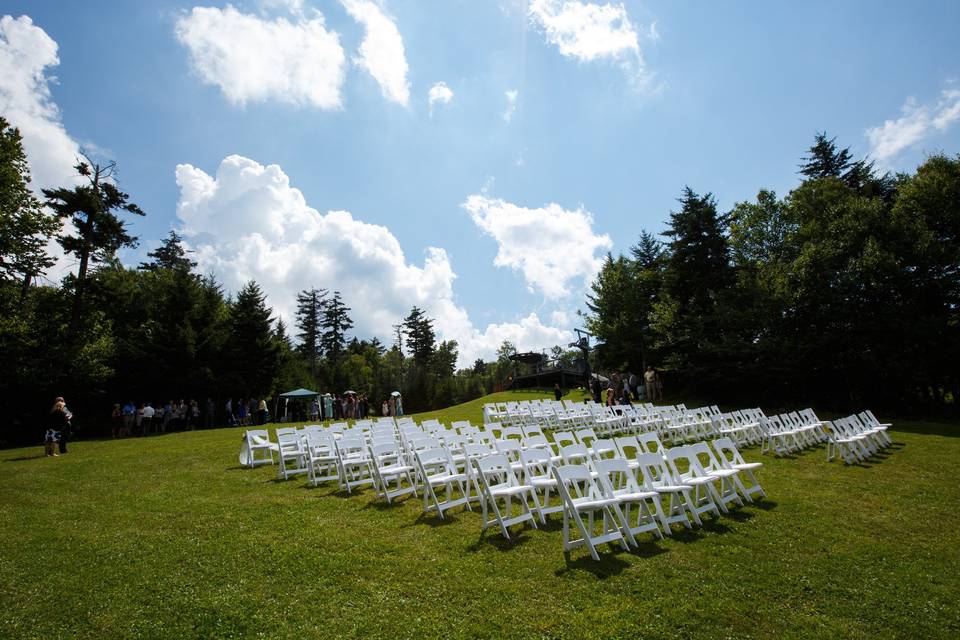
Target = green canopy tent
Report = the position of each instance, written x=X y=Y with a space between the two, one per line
x=296 y=393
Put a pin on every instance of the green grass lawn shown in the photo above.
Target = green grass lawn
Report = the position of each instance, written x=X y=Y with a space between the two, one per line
x=167 y=537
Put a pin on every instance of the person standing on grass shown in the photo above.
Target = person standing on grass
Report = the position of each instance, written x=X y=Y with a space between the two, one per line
x=650 y=383
x=60 y=426
x=385 y=408
x=262 y=412
x=129 y=417
x=399 y=405
x=557 y=391
x=148 y=413
x=116 y=421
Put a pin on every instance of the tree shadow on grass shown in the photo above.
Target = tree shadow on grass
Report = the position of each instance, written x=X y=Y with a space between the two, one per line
x=608 y=565
x=22 y=458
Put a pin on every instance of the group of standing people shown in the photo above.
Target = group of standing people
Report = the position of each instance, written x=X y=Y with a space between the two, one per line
x=245 y=413
x=624 y=388
x=349 y=406
x=145 y=418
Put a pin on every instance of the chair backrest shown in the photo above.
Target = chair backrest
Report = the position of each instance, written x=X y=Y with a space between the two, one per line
x=654 y=470
x=705 y=456
x=585 y=436
x=434 y=462
x=515 y=433
x=574 y=453
x=628 y=447
x=535 y=441
x=536 y=463
x=494 y=471
x=510 y=448
x=615 y=475
x=683 y=463
x=575 y=481
x=604 y=449
x=285 y=431
x=257 y=436
x=563 y=438
x=477 y=450
x=385 y=452
x=352 y=446
x=649 y=442
x=532 y=430
x=727 y=451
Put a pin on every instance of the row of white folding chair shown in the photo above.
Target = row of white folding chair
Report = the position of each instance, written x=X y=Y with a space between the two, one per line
x=737 y=427
x=609 y=487
x=856 y=439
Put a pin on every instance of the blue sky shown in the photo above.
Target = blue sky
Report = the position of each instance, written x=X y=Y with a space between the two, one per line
x=617 y=107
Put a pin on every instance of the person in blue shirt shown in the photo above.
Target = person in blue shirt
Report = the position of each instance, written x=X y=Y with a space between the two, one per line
x=129 y=417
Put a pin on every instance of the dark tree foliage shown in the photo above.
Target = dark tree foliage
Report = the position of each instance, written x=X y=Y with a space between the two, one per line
x=310 y=308
x=420 y=337
x=843 y=294
x=25 y=228
x=253 y=347
x=93 y=208
x=169 y=255
x=335 y=323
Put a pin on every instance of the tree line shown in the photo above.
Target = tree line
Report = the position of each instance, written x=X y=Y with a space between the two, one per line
x=844 y=293
x=109 y=333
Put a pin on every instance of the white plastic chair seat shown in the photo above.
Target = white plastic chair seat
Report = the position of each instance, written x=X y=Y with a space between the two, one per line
x=542 y=483
x=592 y=504
x=395 y=469
x=670 y=488
x=747 y=466
x=447 y=478
x=699 y=480
x=634 y=496
x=510 y=491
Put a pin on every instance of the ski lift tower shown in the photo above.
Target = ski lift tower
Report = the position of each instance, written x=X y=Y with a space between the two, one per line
x=583 y=343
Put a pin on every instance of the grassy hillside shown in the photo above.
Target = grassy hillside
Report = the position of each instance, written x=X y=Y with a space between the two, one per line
x=167 y=537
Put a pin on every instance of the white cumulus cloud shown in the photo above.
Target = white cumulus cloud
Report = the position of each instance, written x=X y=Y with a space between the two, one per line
x=247 y=222
x=381 y=52
x=917 y=123
x=253 y=59
x=26 y=54
x=551 y=246
x=585 y=30
x=439 y=93
x=511 y=95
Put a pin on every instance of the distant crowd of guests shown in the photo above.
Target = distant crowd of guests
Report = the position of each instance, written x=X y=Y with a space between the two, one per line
x=145 y=418
x=627 y=387
x=351 y=406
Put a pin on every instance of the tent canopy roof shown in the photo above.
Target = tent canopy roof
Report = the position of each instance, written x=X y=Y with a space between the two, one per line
x=299 y=393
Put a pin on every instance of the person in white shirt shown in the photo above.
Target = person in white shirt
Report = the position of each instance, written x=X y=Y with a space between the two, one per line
x=148 y=412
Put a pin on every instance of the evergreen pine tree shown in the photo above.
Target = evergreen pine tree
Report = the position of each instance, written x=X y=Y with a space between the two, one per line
x=252 y=342
x=310 y=308
x=169 y=255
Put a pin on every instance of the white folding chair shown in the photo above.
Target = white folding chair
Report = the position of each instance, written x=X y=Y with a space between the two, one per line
x=583 y=497
x=537 y=472
x=618 y=481
x=291 y=454
x=686 y=470
x=353 y=462
x=731 y=458
x=499 y=484
x=322 y=461
x=657 y=477
x=390 y=466
x=437 y=470
x=728 y=478
x=257 y=440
